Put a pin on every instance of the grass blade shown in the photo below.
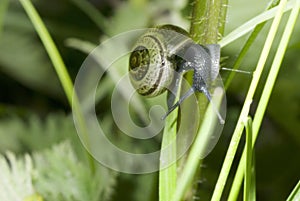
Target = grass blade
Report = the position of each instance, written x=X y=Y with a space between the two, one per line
x=58 y=64
x=249 y=187
x=246 y=47
x=245 y=110
x=248 y=26
x=3 y=8
x=50 y=47
x=261 y=108
x=168 y=175
x=198 y=148
x=266 y=94
x=295 y=194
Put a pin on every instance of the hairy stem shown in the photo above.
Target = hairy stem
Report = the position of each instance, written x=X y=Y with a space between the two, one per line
x=207 y=27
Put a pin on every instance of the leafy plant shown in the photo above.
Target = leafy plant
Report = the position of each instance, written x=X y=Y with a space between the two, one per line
x=51 y=175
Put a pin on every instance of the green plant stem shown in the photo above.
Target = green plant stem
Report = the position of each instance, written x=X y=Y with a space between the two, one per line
x=50 y=48
x=262 y=105
x=245 y=110
x=250 y=25
x=265 y=97
x=58 y=64
x=209 y=13
x=207 y=25
x=3 y=8
x=168 y=175
x=248 y=190
x=197 y=150
x=246 y=47
x=208 y=21
x=295 y=194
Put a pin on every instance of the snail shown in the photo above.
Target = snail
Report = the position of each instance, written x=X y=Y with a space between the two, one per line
x=164 y=50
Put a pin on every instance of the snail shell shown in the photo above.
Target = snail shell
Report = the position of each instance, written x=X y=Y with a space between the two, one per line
x=155 y=58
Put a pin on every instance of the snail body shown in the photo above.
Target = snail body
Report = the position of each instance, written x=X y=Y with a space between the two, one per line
x=163 y=52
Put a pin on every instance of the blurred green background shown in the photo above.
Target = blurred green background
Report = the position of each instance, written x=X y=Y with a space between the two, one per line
x=35 y=115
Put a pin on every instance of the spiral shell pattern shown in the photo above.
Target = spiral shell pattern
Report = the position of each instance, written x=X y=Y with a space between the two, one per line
x=152 y=63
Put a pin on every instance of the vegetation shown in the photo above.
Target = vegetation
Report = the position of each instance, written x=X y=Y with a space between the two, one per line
x=44 y=44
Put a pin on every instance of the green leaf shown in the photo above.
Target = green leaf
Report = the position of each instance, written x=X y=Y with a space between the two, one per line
x=53 y=174
x=262 y=105
x=295 y=194
x=198 y=149
x=59 y=175
x=37 y=134
x=249 y=181
x=245 y=110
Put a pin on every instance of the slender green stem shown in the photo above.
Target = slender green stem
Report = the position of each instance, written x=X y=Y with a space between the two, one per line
x=243 y=53
x=266 y=95
x=245 y=110
x=261 y=108
x=207 y=25
x=3 y=8
x=250 y=25
x=58 y=64
x=198 y=149
x=168 y=175
x=50 y=48
x=248 y=170
x=246 y=47
x=205 y=28
x=295 y=195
